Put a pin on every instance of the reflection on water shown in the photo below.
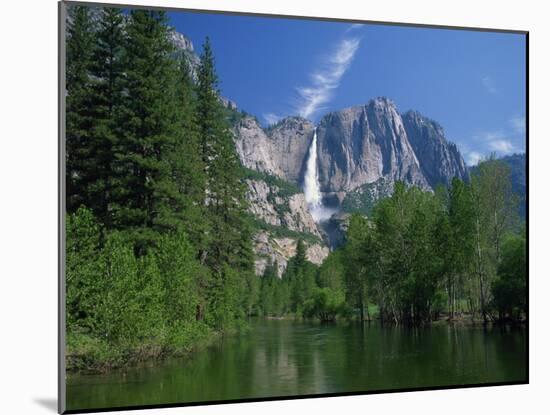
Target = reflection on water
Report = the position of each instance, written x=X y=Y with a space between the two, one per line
x=283 y=358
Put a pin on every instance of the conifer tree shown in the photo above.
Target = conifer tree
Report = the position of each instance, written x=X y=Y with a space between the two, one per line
x=300 y=258
x=188 y=171
x=225 y=189
x=107 y=73
x=79 y=122
x=149 y=129
x=229 y=246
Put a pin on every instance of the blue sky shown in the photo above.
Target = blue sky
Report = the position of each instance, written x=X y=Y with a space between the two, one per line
x=472 y=83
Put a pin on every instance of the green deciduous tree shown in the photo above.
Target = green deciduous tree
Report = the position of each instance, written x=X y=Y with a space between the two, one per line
x=83 y=236
x=324 y=304
x=359 y=256
x=510 y=287
x=494 y=208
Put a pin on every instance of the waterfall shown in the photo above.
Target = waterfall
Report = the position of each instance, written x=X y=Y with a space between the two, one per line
x=312 y=189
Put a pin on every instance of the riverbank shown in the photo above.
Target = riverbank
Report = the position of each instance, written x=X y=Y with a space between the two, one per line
x=89 y=355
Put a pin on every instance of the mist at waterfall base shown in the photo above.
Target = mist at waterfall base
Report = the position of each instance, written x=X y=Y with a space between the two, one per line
x=312 y=188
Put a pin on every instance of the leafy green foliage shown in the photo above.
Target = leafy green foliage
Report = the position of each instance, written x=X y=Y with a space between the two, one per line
x=399 y=255
x=510 y=288
x=495 y=213
x=127 y=302
x=325 y=304
x=422 y=254
x=331 y=273
x=517 y=165
x=356 y=273
x=274 y=297
x=83 y=241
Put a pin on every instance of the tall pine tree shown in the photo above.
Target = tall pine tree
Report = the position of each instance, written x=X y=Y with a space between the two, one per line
x=186 y=163
x=149 y=129
x=107 y=75
x=225 y=189
x=80 y=118
x=228 y=251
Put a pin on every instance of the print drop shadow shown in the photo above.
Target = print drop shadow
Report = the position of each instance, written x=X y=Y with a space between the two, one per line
x=48 y=403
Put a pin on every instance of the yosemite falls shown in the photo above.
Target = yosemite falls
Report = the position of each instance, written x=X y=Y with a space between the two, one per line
x=312 y=188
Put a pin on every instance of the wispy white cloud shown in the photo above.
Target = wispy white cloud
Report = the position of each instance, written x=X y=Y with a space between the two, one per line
x=518 y=124
x=503 y=141
x=502 y=146
x=354 y=26
x=325 y=80
x=489 y=84
x=497 y=141
x=473 y=157
x=271 y=118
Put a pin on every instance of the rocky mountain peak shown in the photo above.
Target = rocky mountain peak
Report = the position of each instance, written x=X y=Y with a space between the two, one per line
x=184 y=48
x=440 y=159
x=180 y=41
x=227 y=103
x=293 y=123
x=290 y=140
x=361 y=144
x=421 y=121
x=384 y=103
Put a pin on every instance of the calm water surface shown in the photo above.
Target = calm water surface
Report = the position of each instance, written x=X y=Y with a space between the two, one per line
x=284 y=358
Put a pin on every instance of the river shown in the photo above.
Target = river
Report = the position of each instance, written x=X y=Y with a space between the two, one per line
x=285 y=358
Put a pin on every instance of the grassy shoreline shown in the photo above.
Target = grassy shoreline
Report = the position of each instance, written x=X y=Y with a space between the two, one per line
x=88 y=355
